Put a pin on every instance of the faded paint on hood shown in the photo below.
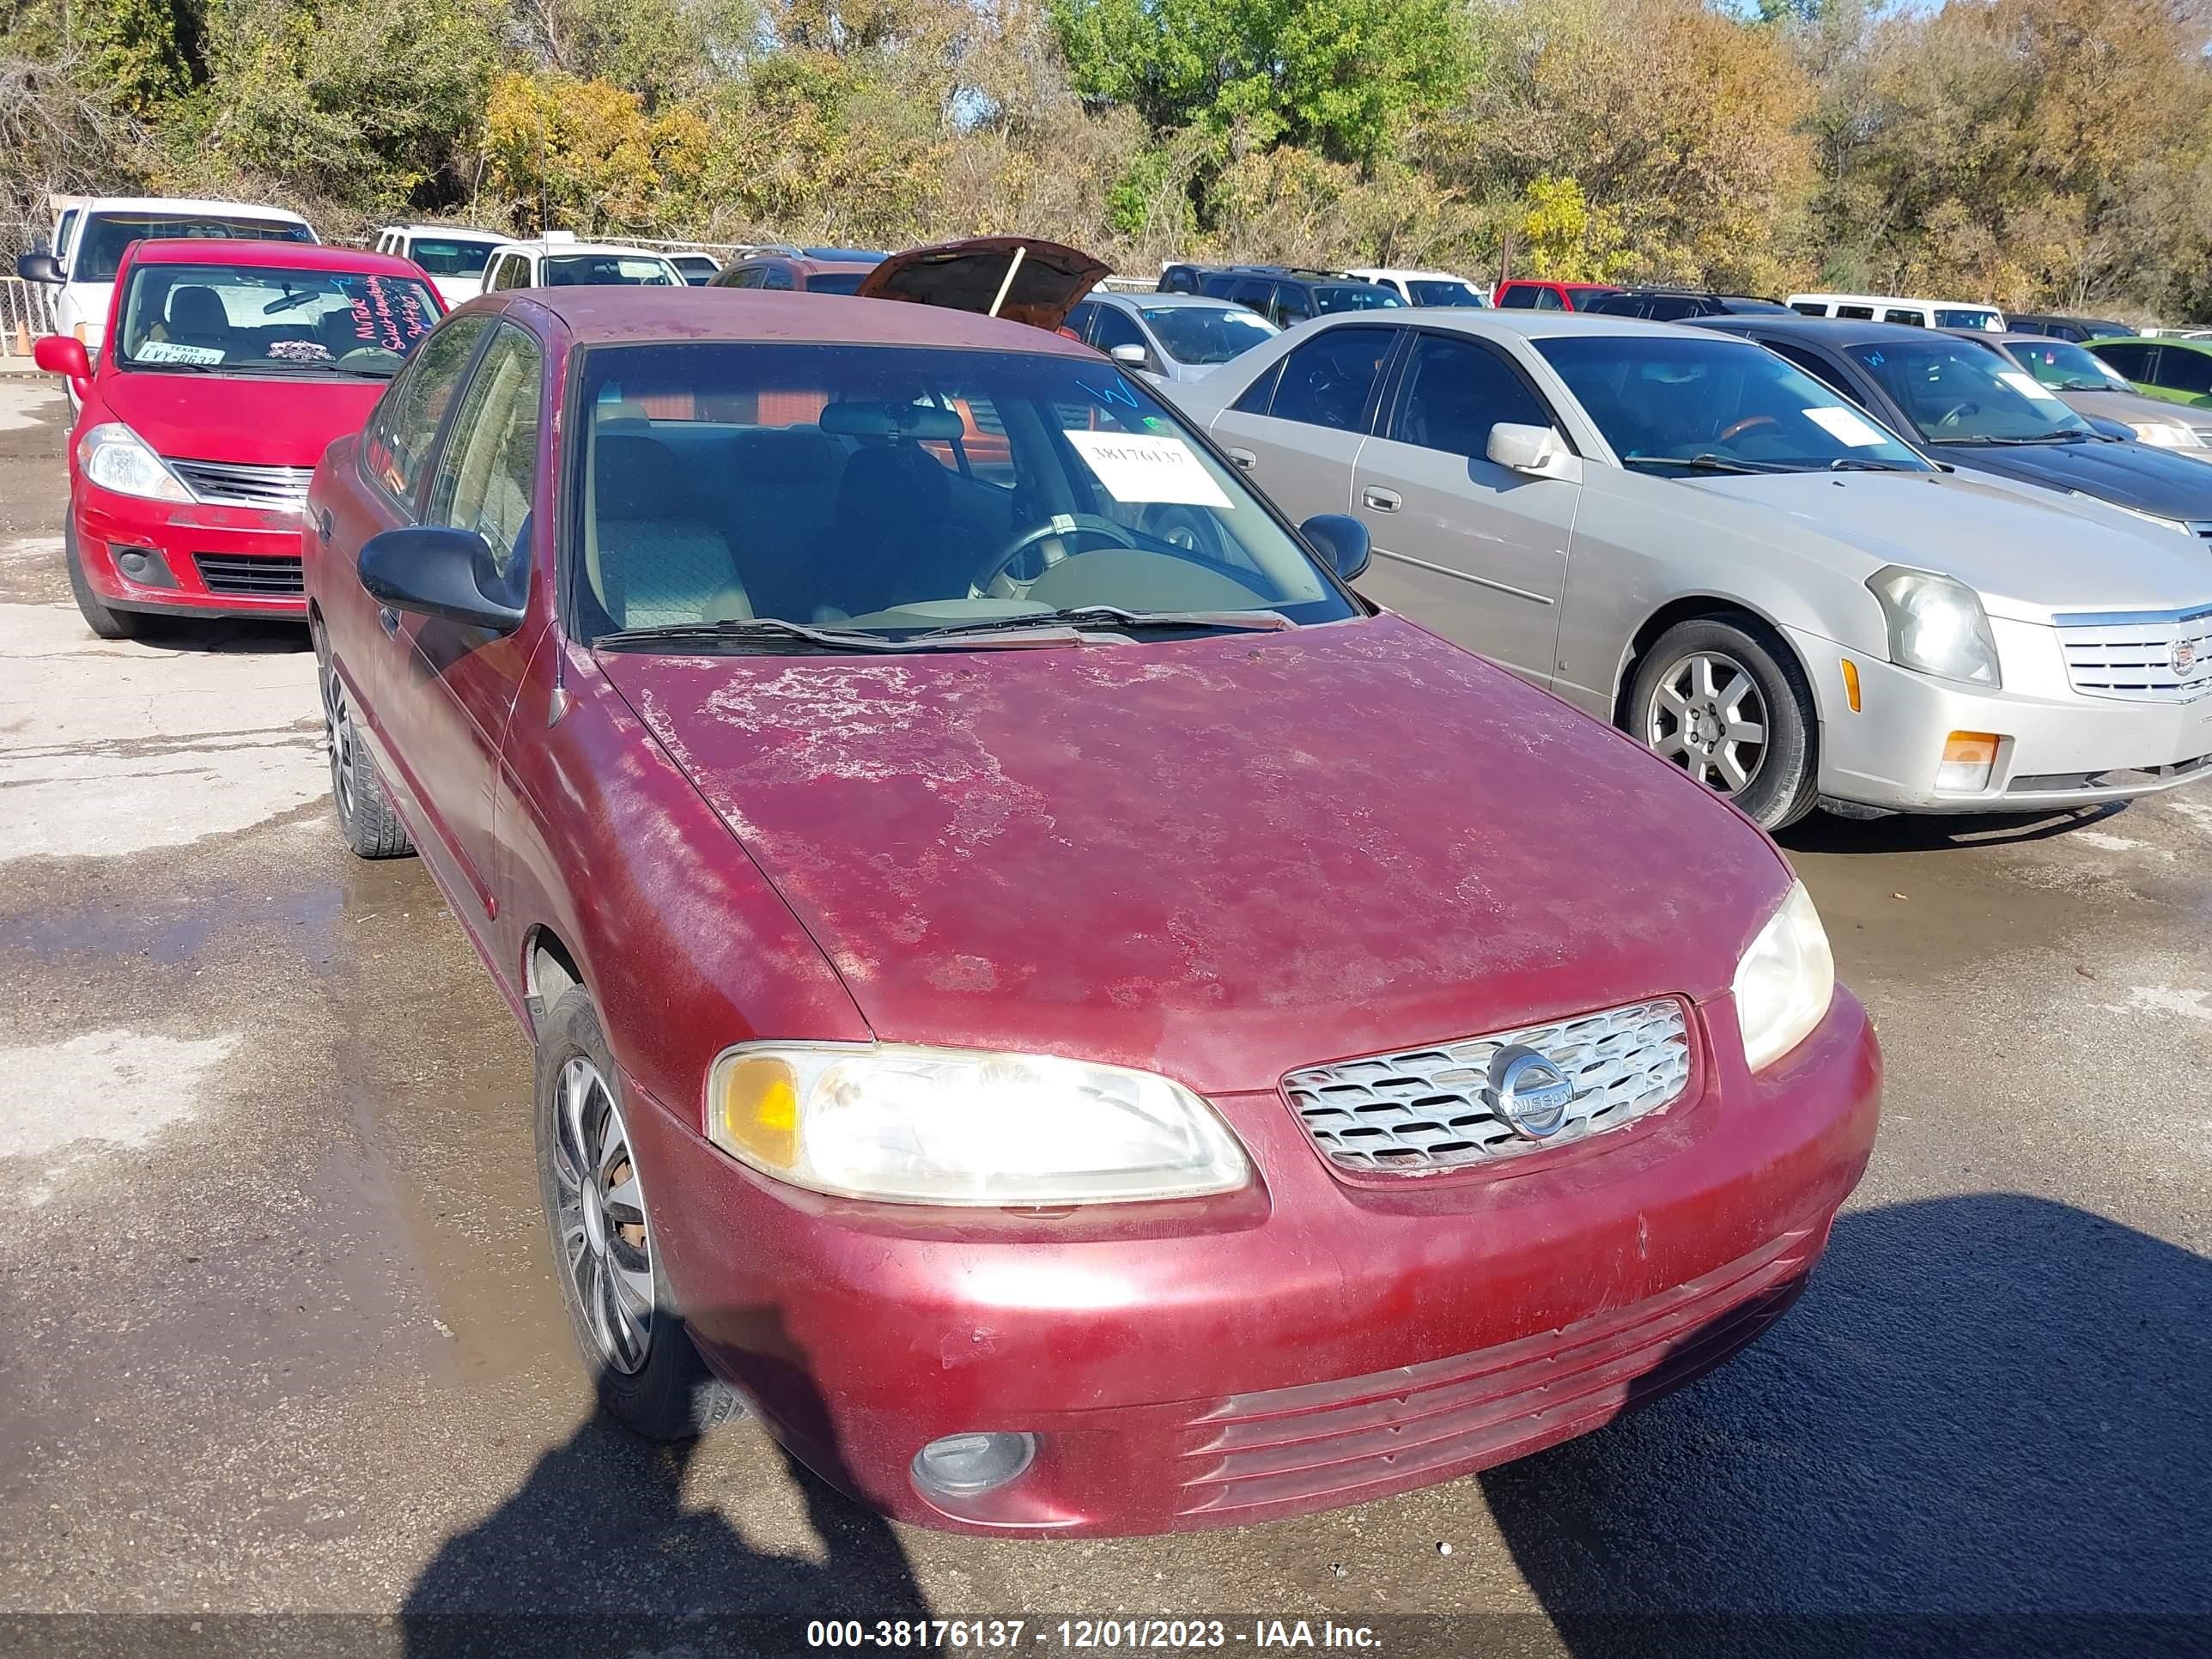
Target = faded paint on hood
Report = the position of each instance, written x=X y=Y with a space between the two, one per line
x=237 y=418
x=1221 y=858
x=2028 y=557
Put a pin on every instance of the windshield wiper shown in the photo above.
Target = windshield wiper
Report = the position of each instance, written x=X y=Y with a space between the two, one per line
x=1863 y=464
x=1699 y=463
x=1114 y=616
x=2007 y=443
x=747 y=628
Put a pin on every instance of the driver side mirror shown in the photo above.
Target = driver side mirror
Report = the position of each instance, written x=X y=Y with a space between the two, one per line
x=63 y=354
x=1130 y=355
x=1340 y=539
x=434 y=570
x=40 y=268
x=1535 y=451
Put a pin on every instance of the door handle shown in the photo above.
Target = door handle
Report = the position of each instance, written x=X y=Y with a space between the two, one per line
x=1245 y=459
x=1382 y=501
x=388 y=620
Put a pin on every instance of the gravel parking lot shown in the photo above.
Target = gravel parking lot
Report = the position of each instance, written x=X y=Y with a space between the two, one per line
x=280 y=1334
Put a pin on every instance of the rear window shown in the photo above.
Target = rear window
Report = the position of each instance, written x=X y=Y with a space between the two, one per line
x=836 y=282
x=451 y=256
x=591 y=270
x=1351 y=297
x=1428 y=292
x=99 y=253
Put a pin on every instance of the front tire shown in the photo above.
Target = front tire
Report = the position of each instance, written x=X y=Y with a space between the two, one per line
x=1725 y=700
x=621 y=1312
x=371 y=827
x=103 y=619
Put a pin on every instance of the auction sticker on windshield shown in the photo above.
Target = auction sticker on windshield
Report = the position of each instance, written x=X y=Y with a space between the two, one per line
x=1846 y=427
x=1140 y=471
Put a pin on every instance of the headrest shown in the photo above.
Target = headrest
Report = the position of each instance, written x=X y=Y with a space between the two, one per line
x=794 y=458
x=889 y=420
x=637 y=478
x=892 y=486
x=199 y=310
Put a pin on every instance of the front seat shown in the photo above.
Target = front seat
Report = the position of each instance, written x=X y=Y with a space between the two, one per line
x=651 y=554
x=891 y=540
x=196 y=317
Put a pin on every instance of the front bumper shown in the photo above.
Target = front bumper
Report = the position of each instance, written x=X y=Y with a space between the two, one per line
x=1303 y=1345
x=194 y=560
x=2060 y=749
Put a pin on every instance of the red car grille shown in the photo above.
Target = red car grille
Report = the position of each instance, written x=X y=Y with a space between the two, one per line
x=1417 y=1424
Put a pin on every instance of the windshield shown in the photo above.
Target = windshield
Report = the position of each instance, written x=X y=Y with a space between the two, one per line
x=1664 y=402
x=1207 y=334
x=1956 y=392
x=1946 y=317
x=587 y=269
x=187 y=319
x=892 y=490
x=836 y=282
x=2065 y=366
x=100 y=245
x=1364 y=297
x=1428 y=292
x=451 y=256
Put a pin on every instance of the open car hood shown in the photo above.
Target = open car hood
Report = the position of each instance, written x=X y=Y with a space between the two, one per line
x=1047 y=279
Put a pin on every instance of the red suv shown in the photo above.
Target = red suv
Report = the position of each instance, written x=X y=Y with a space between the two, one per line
x=225 y=370
x=1082 y=1022
x=1529 y=294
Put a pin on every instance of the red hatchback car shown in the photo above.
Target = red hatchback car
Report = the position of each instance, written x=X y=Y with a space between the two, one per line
x=226 y=368
x=1082 y=1022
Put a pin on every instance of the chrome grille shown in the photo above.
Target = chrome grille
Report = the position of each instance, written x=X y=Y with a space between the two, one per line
x=233 y=483
x=1428 y=1109
x=2145 y=656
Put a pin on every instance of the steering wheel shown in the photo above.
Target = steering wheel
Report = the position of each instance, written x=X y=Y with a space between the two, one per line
x=1952 y=416
x=1745 y=425
x=1060 y=525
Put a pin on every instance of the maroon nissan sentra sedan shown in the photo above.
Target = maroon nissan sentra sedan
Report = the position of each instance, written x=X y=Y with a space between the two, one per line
x=1081 y=1022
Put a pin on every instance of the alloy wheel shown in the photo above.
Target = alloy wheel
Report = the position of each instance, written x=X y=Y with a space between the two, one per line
x=1707 y=716
x=599 y=1221
x=337 y=734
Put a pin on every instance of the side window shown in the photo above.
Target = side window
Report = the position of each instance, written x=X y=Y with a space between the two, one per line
x=1810 y=309
x=1857 y=313
x=1328 y=380
x=506 y=273
x=1818 y=368
x=778 y=276
x=1521 y=296
x=1293 y=305
x=2131 y=360
x=1673 y=307
x=1116 y=328
x=1908 y=319
x=398 y=438
x=1249 y=293
x=1261 y=394
x=1548 y=299
x=1455 y=391
x=485 y=477
x=2183 y=370
x=1080 y=317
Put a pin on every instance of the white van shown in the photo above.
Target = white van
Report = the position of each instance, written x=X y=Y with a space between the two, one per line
x=1892 y=308
x=89 y=245
x=451 y=256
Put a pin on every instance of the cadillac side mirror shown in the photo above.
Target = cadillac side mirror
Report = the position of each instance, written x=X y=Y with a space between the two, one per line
x=39 y=268
x=1535 y=451
x=434 y=570
x=63 y=354
x=1341 y=539
x=1130 y=355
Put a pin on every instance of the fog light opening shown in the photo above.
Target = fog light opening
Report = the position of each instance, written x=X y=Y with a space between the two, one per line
x=1970 y=761
x=135 y=563
x=970 y=1465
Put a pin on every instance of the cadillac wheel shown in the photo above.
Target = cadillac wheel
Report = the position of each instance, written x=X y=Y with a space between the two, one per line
x=1726 y=702
x=611 y=1281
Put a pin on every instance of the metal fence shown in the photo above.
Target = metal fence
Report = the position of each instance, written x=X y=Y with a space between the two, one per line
x=26 y=311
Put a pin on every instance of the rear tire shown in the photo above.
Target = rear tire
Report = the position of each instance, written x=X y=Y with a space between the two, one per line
x=648 y=1376
x=103 y=619
x=371 y=827
x=1725 y=698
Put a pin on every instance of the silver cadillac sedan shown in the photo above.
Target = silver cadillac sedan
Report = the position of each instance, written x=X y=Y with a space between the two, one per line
x=1681 y=533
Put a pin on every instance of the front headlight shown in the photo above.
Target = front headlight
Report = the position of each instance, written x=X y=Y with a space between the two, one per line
x=1936 y=624
x=2165 y=435
x=941 y=1125
x=116 y=458
x=1785 y=982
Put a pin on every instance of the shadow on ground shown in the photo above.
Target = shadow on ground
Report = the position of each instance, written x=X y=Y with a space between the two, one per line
x=1827 y=832
x=1988 y=1426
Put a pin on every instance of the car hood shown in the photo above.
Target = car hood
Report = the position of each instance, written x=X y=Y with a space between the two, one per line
x=972 y=276
x=210 y=417
x=2132 y=475
x=1220 y=858
x=2028 y=557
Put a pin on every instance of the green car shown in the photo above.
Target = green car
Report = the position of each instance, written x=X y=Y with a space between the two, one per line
x=2177 y=371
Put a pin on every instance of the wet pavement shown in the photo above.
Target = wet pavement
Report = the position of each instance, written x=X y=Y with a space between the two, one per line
x=280 y=1333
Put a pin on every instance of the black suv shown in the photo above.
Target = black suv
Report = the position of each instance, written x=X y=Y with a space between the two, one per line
x=1668 y=305
x=2068 y=328
x=1284 y=294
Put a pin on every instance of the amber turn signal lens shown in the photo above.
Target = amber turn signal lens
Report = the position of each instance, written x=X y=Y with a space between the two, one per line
x=755 y=1111
x=1851 y=683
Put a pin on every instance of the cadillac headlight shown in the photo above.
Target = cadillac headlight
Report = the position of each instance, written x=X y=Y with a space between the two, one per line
x=941 y=1125
x=1785 y=982
x=1937 y=625
x=2165 y=435
x=115 y=457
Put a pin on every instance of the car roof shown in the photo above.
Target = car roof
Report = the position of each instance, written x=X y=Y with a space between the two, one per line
x=1178 y=301
x=1836 y=330
x=1407 y=275
x=539 y=245
x=185 y=204
x=449 y=230
x=278 y=256
x=621 y=314
x=1530 y=325
x=1555 y=282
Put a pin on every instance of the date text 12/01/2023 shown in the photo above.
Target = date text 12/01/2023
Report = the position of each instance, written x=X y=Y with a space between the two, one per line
x=1090 y=1635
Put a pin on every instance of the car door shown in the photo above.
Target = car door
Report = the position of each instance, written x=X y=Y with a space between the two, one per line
x=1112 y=328
x=450 y=686
x=1297 y=431
x=1467 y=548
